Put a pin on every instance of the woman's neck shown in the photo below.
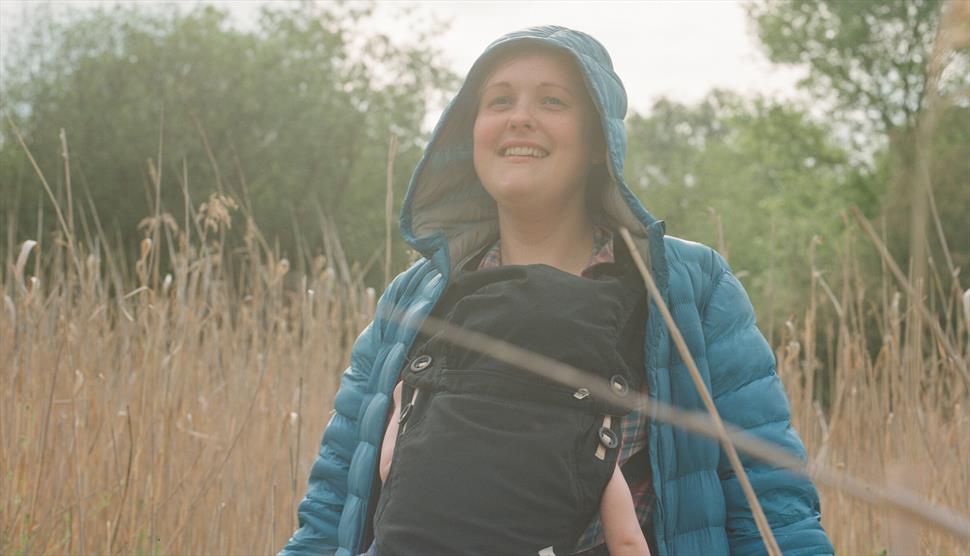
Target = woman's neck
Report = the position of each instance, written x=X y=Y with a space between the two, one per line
x=553 y=239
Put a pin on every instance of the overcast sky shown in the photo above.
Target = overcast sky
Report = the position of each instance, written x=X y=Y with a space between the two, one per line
x=678 y=49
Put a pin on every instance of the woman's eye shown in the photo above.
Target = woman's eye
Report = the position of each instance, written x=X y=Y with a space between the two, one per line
x=553 y=101
x=500 y=101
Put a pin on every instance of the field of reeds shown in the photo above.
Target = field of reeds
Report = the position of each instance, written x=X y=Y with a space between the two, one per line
x=176 y=408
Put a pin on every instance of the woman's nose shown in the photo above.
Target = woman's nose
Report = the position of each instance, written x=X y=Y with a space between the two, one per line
x=521 y=118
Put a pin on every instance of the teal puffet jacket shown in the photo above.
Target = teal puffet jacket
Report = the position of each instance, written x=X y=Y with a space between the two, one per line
x=447 y=216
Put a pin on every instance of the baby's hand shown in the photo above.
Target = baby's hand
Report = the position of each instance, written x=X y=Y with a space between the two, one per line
x=390 y=434
x=620 y=524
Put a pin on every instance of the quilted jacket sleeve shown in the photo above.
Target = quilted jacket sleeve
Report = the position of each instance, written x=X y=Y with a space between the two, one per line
x=749 y=395
x=320 y=509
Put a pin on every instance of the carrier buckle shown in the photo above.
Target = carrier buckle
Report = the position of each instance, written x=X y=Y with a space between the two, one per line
x=607 y=438
x=619 y=386
x=420 y=363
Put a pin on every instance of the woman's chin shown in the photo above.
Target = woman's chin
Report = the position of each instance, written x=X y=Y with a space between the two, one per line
x=515 y=196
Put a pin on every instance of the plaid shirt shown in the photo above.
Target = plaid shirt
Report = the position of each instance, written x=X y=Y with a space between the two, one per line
x=633 y=427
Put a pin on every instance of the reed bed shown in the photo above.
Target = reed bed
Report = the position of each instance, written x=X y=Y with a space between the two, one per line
x=180 y=414
x=176 y=408
x=169 y=415
x=896 y=411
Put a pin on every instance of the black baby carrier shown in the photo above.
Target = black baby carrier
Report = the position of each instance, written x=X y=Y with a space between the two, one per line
x=491 y=459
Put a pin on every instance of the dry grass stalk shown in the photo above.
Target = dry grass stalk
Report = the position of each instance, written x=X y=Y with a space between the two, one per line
x=771 y=545
x=388 y=208
x=160 y=417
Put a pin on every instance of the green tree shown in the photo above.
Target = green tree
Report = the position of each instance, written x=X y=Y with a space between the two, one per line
x=290 y=116
x=878 y=64
x=867 y=57
x=757 y=178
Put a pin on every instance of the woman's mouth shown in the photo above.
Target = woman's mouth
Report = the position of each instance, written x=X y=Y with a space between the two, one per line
x=533 y=152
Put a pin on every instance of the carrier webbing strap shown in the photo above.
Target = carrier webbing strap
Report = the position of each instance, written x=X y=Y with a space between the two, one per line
x=600 y=448
x=409 y=393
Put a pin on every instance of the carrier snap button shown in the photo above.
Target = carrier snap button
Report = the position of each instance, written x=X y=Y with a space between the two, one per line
x=619 y=386
x=608 y=438
x=405 y=413
x=420 y=363
x=580 y=394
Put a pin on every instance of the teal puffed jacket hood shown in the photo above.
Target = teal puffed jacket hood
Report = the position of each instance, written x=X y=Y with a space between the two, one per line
x=447 y=216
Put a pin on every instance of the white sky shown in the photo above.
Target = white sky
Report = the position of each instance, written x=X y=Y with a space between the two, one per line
x=678 y=49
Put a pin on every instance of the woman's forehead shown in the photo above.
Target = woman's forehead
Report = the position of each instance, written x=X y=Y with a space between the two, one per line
x=541 y=63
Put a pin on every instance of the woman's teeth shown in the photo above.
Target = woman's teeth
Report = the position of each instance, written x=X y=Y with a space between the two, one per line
x=525 y=151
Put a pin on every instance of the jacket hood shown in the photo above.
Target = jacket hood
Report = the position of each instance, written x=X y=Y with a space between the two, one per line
x=446 y=206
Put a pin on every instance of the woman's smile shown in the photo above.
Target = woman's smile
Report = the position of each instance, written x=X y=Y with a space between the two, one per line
x=518 y=151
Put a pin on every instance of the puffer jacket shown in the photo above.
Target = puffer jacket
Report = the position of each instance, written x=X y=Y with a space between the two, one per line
x=447 y=216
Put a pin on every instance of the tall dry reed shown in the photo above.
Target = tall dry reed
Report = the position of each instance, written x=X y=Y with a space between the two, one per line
x=896 y=410
x=175 y=410
x=896 y=380
x=180 y=414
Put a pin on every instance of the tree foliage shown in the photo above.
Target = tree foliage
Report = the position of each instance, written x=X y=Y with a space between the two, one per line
x=296 y=112
x=289 y=116
x=868 y=57
x=878 y=64
x=757 y=178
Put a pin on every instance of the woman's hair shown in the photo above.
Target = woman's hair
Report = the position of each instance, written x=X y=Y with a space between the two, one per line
x=599 y=174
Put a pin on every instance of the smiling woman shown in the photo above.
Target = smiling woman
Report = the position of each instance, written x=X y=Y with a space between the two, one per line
x=536 y=136
x=533 y=106
x=434 y=449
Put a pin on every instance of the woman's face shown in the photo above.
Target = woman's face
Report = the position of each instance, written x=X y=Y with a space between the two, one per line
x=535 y=134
